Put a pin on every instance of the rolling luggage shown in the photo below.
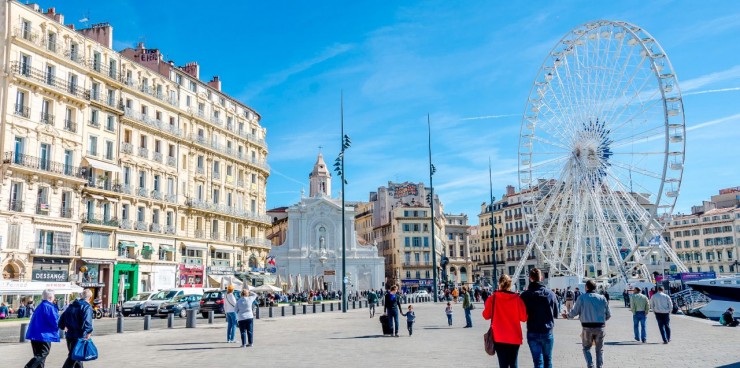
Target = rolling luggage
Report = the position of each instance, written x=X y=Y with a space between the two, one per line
x=385 y=322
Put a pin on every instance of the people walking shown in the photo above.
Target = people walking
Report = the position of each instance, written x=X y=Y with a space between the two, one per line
x=392 y=308
x=542 y=309
x=372 y=300
x=245 y=317
x=230 y=312
x=77 y=322
x=43 y=330
x=626 y=296
x=448 y=312
x=569 y=300
x=506 y=311
x=410 y=319
x=576 y=295
x=640 y=309
x=593 y=311
x=455 y=294
x=467 y=307
x=662 y=305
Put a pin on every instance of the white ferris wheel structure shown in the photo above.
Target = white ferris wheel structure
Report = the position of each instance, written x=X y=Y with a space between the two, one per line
x=601 y=155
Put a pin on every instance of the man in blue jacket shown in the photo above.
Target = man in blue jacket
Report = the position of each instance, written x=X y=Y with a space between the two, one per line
x=77 y=322
x=42 y=330
x=542 y=309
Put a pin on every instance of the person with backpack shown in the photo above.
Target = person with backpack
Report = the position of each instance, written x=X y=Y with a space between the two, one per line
x=569 y=300
x=77 y=322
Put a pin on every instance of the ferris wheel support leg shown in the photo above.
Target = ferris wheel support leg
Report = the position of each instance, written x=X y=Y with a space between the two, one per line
x=522 y=261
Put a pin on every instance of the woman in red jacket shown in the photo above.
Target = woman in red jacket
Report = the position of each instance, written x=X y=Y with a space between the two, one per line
x=508 y=312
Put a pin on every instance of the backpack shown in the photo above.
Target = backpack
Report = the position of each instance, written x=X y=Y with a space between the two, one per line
x=569 y=295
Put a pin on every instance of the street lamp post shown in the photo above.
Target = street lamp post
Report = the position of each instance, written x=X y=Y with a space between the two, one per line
x=431 y=207
x=339 y=168
x=493 y=227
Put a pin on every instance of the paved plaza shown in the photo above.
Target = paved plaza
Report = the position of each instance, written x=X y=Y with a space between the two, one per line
x=354 y=340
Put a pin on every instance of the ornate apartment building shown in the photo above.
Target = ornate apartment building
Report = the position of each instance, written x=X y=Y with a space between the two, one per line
x=124 y=171
x=708 y=239
x=457 y=249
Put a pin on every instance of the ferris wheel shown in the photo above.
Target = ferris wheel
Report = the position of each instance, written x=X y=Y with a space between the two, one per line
x=601 y=154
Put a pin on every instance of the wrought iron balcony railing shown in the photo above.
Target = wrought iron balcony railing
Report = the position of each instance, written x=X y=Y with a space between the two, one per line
x=37 y=163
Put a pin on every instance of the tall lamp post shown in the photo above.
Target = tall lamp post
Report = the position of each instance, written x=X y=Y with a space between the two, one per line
x=431 y=207
x=493 y=227
x=339 y=168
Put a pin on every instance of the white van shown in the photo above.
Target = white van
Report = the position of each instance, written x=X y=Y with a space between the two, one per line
x=152 y=305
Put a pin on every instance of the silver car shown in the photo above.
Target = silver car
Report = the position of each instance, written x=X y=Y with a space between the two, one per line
x=135 y=306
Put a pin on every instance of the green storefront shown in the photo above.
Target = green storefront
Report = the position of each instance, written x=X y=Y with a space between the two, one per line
x=126 y=276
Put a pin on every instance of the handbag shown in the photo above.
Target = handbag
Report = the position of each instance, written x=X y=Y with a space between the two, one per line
x=488 y=342
x=84 y=351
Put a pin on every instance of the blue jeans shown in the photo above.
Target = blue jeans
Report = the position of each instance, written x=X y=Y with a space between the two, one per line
x=468 y=320
x=664 y=325
x=393 y=321
x=246 y=330
x=638 y=319
x=231 y=326
x=540 y=344
x=449 y=319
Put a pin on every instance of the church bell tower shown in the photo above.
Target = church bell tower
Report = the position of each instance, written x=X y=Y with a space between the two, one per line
x=320 y=179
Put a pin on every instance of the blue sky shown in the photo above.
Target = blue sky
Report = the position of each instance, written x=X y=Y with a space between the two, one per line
x=470 y=65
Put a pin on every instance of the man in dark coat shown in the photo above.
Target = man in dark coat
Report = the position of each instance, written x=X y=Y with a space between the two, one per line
x=542 y=309
x=77 y=322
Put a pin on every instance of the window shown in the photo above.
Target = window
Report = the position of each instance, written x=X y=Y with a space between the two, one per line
x=155 y=216
x=108 y=150
x=110 y=123
x=140 y=214
x=95 y=240
x=50 y=74
x=193 y=86
x=407 y=241
x=125 y=208
x=92 y=145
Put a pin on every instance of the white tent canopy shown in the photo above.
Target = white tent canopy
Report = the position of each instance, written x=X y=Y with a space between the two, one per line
x=8 y=287
x=267 y=289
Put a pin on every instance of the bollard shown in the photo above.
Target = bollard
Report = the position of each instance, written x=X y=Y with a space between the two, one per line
x=354 y=305
x=210 y=317
x=293 y=309
x=147 y=321
x=269 y=312
x=190 y=322
x=331 y=307
x=170 y=320
x=24 y=328
x=323 y=307
x=119 y=324
x=282 y=311
x=257 y=315
x=314 y=308
x=304 y=309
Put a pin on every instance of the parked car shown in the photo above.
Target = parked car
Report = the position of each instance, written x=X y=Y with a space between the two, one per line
x=213 y=300
x=152 y=305
x=135 y=306
x=420 y=293
x=180 y=305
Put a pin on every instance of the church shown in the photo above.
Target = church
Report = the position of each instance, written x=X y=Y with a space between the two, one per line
x=313 y=242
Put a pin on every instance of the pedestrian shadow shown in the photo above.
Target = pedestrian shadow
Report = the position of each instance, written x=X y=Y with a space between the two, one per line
x=357 y=337
x=189 y=343
x=439 y=328
x=732 y=365
x=203 y=348
x=628 y=343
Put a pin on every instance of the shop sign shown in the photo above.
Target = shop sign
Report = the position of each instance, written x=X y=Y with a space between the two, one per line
x=220 y=270
x=50 y=275
x=191 y=268
x=88 y=285
x=330 y=272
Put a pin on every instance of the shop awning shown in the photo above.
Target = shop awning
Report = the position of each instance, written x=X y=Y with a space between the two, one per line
x=98 y=197
x=195 y=246
x=36 y=287
x=218 y=281
x=127 y=244
x=167 y=248
x=101 y=165
x=112 y=200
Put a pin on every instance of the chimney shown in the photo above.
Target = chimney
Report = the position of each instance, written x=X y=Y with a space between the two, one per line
x=193 y=69
x=52 y=13
x=100 y=32
x=510 y=191
x=215 y=83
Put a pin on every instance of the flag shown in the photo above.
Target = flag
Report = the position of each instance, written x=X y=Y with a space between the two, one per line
x=271 y=260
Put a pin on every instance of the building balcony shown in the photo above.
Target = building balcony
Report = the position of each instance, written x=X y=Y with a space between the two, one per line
x=227 y=210
x=215 y=235
x=127 y=148
x=41 y=78
x=170 y=198
x=169 y=229
x=22 y=111
x=221 y=263
x=192 y=260
x=43 y=209
x=171 y=161
x=143 y=152
x=94 y=123
x=37 y=164
x=95 y=219
x=216 y=175
x=141 y=226
x=142 y=192
x=200 y=234
x=46 y=118
x=260 y=242
x=126 y=224
x=200 y=171
x=15 y=205
x=156 y=195
x=156 y=228
x=157 y=156
x=66 y=212
x=70 y=126
x=146 y=120
x=259 y=164
x=51 y=249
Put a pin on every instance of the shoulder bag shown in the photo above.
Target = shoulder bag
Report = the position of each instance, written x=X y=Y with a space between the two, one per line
x=84 y=351
x=488 y=343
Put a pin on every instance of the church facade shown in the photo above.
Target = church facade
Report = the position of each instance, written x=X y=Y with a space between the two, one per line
x=313 y=243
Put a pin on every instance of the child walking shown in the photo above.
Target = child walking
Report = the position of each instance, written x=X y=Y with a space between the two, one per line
x=410 y=318
x=448 y=311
